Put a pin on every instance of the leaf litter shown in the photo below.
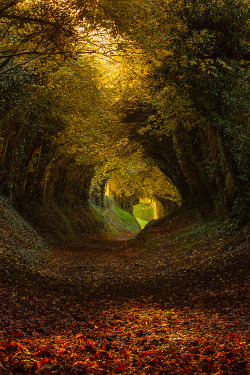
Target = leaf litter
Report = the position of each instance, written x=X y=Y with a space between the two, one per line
x=116 y=307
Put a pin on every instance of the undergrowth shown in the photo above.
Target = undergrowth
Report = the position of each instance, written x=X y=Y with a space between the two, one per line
x=116 y=221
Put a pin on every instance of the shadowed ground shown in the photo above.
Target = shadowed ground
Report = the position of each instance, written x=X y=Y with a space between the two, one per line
x=163 y=303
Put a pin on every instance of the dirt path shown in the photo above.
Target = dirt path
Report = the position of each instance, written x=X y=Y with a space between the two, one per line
x=99 y=265
x=106 y=307
x=159 y=268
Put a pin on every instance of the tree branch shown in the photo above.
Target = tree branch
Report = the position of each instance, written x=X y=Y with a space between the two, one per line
x=19 y=64
x=31 y=20
x=40 y=54
x=5 y=62
x=11 y=4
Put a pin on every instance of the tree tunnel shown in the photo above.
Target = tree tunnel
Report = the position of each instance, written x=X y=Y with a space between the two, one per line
x=163 y=118
x=138 y=188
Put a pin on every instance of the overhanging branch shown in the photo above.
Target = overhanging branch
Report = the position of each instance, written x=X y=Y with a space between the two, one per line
x=35 y=20
x=11 y=4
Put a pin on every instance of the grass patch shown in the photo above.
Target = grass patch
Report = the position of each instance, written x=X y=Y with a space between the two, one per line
x=116 y=221
x=142 y=223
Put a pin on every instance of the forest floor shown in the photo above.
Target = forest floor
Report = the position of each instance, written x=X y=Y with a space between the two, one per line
x=171 y=301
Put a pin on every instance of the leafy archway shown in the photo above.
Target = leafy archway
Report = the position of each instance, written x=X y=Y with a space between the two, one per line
x=85 y=84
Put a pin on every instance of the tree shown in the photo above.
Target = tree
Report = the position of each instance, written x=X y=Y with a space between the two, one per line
x=49 y=30
x=168 y=78
x=27 y=128
x=34 y=29
x=39 y=130
x=198 y=84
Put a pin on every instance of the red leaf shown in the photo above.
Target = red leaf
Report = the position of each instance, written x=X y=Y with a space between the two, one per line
x=120 y=367
x=79 y=335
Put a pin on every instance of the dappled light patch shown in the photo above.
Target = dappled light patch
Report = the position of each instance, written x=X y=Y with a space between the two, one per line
x=144 y=212
x=142 y=223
